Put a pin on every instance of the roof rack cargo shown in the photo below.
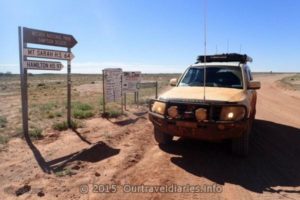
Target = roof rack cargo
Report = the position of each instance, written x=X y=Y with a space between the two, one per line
x=228 y=57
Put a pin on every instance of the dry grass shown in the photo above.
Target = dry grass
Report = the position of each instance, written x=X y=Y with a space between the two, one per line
x=292 y=81
x=47 y=95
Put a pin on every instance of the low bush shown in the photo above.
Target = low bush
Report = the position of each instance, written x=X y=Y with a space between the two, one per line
x=3 y=139
x=82 y=114
x=36 y=134
x=82 y=110
x=3 y=121
x=62 y=126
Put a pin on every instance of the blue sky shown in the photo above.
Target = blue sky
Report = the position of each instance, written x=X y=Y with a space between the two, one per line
x=158 y=35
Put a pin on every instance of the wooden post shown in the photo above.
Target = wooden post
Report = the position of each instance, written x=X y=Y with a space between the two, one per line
x=103 y=92
x=122 y=104
x=137 y=98
x=69 y=92
x=125 y=101
x=23 y=86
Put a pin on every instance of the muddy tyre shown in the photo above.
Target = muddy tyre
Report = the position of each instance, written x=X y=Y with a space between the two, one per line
x=161 y=137
x=240 y=146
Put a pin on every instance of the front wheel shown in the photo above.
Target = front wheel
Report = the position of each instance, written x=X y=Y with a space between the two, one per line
x=161 y=137
x=240 y=146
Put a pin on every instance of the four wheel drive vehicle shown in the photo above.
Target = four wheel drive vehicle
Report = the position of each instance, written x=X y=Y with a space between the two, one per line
x=214 y=99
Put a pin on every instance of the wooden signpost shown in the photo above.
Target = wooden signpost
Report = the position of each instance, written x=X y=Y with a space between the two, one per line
x=46 y=53
x=27 y=35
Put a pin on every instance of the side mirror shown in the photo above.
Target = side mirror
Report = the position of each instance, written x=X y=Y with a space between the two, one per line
x=173 y=81
x=254 y=85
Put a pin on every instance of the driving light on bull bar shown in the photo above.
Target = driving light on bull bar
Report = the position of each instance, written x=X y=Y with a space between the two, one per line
x=201 y=114
x=173 y=112
x=232 y=113
x=159 y=107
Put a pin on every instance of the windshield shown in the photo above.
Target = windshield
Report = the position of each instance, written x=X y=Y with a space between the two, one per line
x=216 y=76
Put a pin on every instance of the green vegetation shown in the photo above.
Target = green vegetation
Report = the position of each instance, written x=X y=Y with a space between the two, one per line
x=3 y=139
x=3 y=121
x=62 y=126
x=36 y=133
x=58 y=114
x=114 y=113
x=47 y=97
x=81 y=114
x=82 y=110
x=113 y=110
x=64 y=172
x=81 y=106
x=47 y=107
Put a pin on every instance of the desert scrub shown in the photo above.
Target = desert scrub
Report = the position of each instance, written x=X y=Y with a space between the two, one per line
x=82 y=114
x=64 y=172
x=292 y=81
x=51 y=115
x=3 y=121
x=62 y=126
x=113 y=110
x=48 y=107
x=3 y=139
x=36 y=133
x=82 y=110
x=81 y=106
x=114 y=113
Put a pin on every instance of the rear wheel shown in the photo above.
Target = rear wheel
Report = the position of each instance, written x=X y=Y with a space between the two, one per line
x=161 y=137
x=240 y=146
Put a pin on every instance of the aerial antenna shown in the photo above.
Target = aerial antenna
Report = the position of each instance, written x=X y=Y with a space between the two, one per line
x=240 y=48
x=204 y=69
x=216 y=49
x=227 y=46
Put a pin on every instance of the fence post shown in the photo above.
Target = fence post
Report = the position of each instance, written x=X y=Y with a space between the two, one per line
x=103 y=92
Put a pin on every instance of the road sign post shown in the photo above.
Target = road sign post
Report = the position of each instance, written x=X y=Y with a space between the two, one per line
x=27 y=35
x=69 y=92
x=23 y=75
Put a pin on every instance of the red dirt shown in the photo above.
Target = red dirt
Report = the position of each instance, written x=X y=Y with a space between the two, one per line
x=123 y=151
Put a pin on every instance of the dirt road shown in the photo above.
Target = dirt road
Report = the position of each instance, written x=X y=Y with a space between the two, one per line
x=106 y=155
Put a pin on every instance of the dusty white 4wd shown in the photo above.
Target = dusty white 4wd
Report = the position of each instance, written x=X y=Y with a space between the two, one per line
x=214 y=99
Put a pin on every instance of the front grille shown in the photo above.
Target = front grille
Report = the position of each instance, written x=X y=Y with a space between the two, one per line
x=215 y=113
x=187 y=111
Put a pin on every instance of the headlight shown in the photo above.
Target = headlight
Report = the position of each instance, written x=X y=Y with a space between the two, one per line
x=201 y=114
x=159 y=107
x=232 y=113
x=173 y=112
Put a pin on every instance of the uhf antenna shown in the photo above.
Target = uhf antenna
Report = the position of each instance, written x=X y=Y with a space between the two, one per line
x=204 y=70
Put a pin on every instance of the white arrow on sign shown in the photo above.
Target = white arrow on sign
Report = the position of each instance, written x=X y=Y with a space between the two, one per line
x=42 y=65
x=45 y=53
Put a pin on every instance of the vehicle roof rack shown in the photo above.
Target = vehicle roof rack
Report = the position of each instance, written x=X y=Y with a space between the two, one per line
x=228 y=57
